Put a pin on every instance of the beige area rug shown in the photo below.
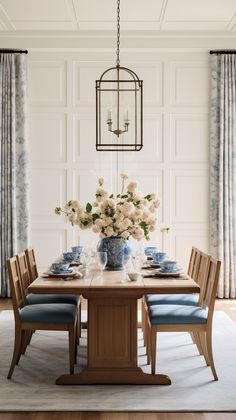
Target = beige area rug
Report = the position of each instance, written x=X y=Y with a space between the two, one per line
x=33 y=388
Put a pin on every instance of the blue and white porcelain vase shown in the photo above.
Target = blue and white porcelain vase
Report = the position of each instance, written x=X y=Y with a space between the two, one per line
x=118 y=252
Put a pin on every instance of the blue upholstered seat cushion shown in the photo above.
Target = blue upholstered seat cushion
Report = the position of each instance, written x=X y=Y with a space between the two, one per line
x=33 y=299
x=177 y=314
x=177 y=299
x=51 y=313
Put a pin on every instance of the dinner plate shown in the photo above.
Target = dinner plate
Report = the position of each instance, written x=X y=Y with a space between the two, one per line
x=154 y=265
x=161 y=273
x=62 y=275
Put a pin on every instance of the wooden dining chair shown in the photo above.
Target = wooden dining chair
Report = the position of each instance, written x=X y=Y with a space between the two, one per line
x=29 y=271
x=31 y=263
x=192 y=319
x=197 y=259
x=30 y=318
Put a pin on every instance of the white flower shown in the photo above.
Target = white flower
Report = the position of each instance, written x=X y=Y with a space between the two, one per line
x=125 y=234
x=153 y=196
x=99 y=222
x=152 y=228
x=109 y=231
x=101 y=181
x=128 y=208
x=138 y=233
x=132 y=187
x=124 y=176
x=100 y=191
x=72 y=217
x=96 y=229
x=156 y=204
x=152 y=208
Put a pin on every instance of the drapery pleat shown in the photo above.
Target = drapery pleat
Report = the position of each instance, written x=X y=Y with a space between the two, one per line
x=223 y=170
x=14 y=183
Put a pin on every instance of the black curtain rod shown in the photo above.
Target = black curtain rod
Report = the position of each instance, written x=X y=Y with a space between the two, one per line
x=223 y=52
x=6 y=51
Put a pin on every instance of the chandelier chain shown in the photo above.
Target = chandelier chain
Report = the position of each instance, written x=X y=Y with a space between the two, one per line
x=118 y=34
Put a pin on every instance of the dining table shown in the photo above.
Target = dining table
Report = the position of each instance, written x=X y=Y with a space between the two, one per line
x=112 y=324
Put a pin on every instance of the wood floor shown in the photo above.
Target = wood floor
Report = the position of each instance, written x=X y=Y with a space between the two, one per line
x=228 y=306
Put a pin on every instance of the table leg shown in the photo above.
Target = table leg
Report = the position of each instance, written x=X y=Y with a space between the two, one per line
x=112 y=345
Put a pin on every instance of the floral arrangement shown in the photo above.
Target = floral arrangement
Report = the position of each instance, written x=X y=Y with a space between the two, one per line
x=128 y=214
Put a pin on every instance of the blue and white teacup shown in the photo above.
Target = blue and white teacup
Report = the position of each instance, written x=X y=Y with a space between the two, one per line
x=168 y=266
x=149 y=250
x=158 y=257
x=60 y=267
x=77 y=249
x=69 y=256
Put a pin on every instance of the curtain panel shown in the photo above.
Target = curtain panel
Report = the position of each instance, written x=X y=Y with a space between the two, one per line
x=223 y=169
x=14 y=180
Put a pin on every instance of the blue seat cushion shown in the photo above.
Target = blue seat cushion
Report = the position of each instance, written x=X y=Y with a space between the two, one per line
x=176 y=299
x=52 y=313
x=33 y=299
x=177 y=314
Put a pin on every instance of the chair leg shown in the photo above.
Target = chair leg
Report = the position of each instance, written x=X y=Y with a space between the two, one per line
x=210 y=354
x=143 y=322
x=79 y=321
x=153 y=351
x=204 y=347
x=72 y=338
x=16 y=352
x=198 y=342
x=26 y=338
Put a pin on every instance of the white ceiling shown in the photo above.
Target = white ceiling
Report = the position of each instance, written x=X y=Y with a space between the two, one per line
x=41 y=16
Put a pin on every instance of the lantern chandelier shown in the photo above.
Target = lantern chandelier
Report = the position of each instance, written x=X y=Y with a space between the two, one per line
x=119 y=106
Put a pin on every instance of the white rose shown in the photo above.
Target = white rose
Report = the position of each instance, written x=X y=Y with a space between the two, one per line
x=128 y=208
x=138 y=233
x=124 y=176
x=152 y=208
x=125 y=234
x=109 y=231
x=72 y=217
x=96 y=229
x=101 y=181
x=99 y=222
x=156 y=204
x=152 y=228
x=102 y=192
x=132 y=187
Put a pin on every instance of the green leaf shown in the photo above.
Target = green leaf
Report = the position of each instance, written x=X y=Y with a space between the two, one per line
x=95 y=216
x=73 y=210
x=111 y=196
x=89 y=207
x=58 y=211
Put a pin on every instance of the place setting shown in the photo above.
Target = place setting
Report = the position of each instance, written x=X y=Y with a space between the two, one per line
x=70 y=266
x=161 y=264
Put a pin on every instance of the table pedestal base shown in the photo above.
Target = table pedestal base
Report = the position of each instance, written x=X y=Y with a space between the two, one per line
x=129 y=376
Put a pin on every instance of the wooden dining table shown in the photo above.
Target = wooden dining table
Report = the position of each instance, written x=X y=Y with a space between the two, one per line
x=113 y=323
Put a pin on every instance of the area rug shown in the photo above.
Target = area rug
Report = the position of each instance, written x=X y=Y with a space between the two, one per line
x=33 y=388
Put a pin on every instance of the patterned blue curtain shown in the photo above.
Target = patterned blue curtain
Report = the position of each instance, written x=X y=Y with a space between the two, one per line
x=14 y=184
x=223 y=169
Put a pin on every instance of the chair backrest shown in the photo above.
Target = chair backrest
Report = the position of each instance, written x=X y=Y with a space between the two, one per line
x=31 y=262
x=213 y=274
x=201 y=275
x=18 y=298
x=192 y=261
x=24 y=271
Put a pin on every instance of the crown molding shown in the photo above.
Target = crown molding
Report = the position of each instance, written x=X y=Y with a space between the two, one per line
x=106 y=40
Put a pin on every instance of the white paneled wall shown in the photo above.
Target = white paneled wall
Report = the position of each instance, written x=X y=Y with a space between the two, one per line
x=173 y=162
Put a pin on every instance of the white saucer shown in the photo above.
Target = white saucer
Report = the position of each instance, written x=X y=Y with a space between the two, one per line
x=62 y=275
x=161 y=273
